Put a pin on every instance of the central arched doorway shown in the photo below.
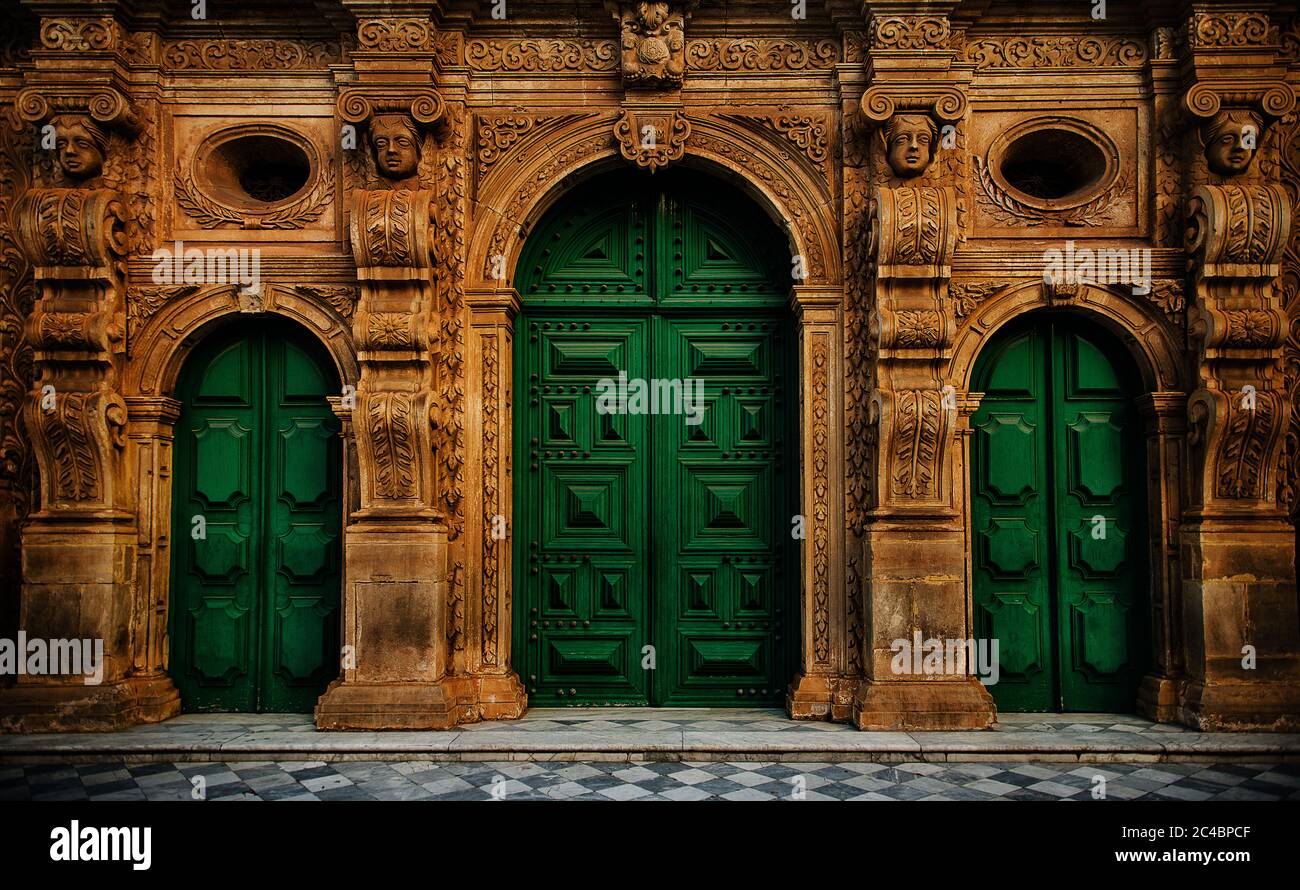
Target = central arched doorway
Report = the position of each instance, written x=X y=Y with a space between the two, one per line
x=1058 y=516
x=656 y=468
x=256 y=522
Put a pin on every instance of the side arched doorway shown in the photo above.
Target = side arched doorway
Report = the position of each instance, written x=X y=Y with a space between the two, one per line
x=256 y=522
x=655 y=449
x=1058 y=514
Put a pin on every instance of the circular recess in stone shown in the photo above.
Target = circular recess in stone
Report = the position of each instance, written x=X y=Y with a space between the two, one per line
x=1053 y=163
x=256 y=167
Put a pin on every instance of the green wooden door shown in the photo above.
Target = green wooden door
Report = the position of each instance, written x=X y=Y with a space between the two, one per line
x=641 y=537
x=256 y=525
x=1058 y=526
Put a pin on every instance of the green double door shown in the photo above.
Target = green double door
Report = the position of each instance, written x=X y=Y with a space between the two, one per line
x=1057 y=492
x=256 y=525
x=654 y=558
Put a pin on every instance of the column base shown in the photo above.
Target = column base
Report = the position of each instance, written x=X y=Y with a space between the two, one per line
x=79 y=708
x=808 y=697
x=1241 y=707
x=1157 y=699
x=488 y=697
x=385 y=706
x=900 y=705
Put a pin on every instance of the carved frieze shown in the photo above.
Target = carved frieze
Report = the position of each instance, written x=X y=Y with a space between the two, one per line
x=542 y=55
x=760 y=54
x=1208 y=30
x=1055 y=51
x=251 y=55
x=396 y=35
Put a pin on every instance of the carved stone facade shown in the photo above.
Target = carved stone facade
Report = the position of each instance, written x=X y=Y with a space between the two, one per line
x=388 y=161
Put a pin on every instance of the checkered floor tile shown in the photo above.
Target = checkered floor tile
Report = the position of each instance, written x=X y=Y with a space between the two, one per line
x=422 y=780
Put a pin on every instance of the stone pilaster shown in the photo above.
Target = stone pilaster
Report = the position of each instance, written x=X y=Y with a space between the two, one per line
x=822 y=598
x=914 y=549
x=1164 y=415
x=79 y=549
x=492 y=690
x=1239 y=611
x=395 y=544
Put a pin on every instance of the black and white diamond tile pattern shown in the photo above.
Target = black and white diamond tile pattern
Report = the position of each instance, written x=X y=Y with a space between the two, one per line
x=423 y=780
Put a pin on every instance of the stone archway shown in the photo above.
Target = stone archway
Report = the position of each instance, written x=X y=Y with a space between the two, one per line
x=159 y=349
x=1151 y=347
x=545 y=157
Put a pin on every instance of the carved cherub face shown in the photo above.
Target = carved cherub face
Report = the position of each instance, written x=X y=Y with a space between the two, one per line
x=397 y=146
x=1230 y=140
x=80 y=146
x=909 y=144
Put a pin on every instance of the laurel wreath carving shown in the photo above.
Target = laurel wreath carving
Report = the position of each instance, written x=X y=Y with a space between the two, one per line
x=209 y=214
x=1004 y=207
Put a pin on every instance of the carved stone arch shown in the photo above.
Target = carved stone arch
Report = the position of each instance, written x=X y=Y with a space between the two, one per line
x=1143 y=333
x=1153 y=349
x=513 y=195
x=160 y=349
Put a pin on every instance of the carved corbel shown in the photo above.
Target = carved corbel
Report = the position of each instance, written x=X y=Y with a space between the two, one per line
x=1235 y=235
x=653 y=41
x=75 y=240
x=392 y=233
x=652 y=136
x=913 y=234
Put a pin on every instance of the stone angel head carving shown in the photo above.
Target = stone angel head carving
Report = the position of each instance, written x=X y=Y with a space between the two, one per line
x=80 y=144
x=1231 y=138
x=909 y=144
x=395 y=141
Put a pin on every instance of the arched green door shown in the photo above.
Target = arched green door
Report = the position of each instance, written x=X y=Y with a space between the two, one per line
x=654 y=561
x=256 y=524
x=1057 y=500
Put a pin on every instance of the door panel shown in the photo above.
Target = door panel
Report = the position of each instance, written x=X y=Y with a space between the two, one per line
x=1058 y=568
x=641 y=529
x=255 y=601
x=718 y=567
x=584 y=517
x=1010 y=515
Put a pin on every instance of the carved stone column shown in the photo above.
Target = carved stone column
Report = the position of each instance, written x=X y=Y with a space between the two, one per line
x=492 y=689
x=79 y=548
x=822 y=604
x=395 y=654
x=914 y=550
x=1239 y=583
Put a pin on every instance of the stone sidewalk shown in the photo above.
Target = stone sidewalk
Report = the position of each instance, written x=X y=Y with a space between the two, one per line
x=676 y=780
x=648 y=735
